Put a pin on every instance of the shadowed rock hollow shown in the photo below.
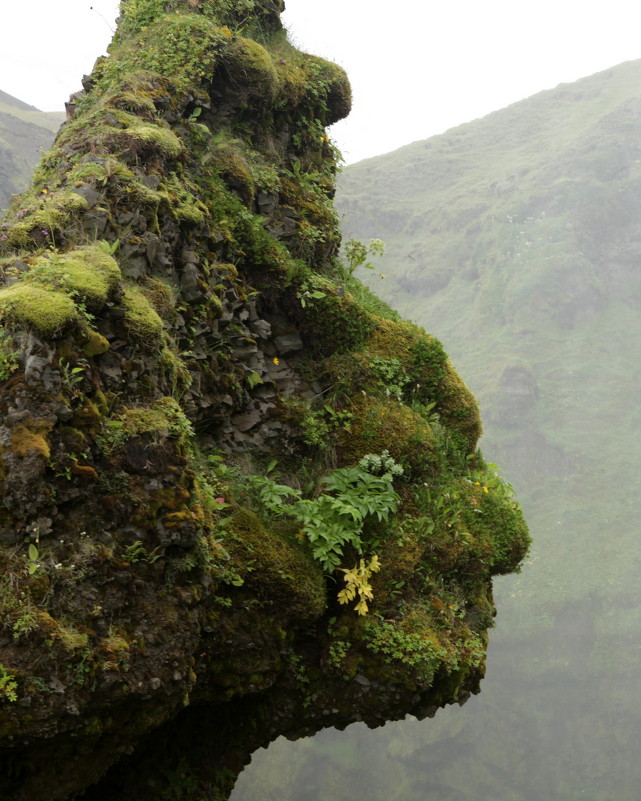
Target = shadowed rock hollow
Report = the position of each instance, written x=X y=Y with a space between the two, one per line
x=209 y=429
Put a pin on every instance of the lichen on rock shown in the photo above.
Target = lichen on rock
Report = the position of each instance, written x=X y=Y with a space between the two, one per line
x=187 y=369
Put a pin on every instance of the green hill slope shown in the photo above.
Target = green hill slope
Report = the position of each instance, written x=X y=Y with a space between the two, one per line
x=25 y=133
x=516 y=239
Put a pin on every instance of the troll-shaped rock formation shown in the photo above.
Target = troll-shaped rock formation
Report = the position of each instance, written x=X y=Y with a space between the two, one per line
x=208 y=429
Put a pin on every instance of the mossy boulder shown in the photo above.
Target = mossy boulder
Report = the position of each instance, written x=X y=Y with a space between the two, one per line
x=251 y=70
x=279 y=572
x=141 y=318
x=387 y=424
x=46 y=296
x=47 y=311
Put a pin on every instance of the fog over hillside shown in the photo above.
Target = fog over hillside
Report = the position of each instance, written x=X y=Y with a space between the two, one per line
x=25 y=133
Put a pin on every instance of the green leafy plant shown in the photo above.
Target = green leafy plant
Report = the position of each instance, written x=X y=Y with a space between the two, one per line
x=391 y=374
x=338 y=650
x=9 y=356
x=136 y=552
x=319 y=424
x=414 y=649
x=357 y=252
x=33 y=557
x=8 y=685
x=352 y=499
x=110 y=248
x=71 y=376
x=272 y=496
x=307 y=293
x=25 y=623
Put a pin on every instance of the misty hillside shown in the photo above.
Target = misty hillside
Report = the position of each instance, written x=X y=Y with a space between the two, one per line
x=516 y=239
x=24 y=133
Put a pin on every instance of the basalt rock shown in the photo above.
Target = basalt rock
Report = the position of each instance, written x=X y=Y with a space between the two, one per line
x=181 y=347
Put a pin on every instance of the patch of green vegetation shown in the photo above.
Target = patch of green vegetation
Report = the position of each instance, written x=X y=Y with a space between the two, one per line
x=47 y=311
x=160 y=138
x=8 y=685
x=162 y=419
x=58 y=289
x=142 y=319
x=9 y=355
x=88 y=274
x=352 y=498
x=282 y=572
x=41 y=218
x=182 y=47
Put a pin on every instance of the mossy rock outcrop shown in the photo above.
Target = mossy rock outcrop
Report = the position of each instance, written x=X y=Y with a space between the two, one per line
x=185 y=364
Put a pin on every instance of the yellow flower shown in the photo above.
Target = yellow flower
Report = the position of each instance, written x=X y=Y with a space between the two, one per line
x=485 y=489
x=276 y=360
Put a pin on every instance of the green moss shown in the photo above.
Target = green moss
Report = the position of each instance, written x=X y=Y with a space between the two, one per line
x=190 y=213
x=182 y=47
x=129 y=100
x=279 y=572
x=327 y=86
x=379 y=424
x=47 y=217
x=174 y=368
x=87 y=413
x=160 y=138
x=334 y=322
x=312 y=83
x=88 y=273
x=95 y=344
x=142 y=319
x=30 y=438
x=162 y=297
x=163 y=419
x=251 y=70
x=458 y=407
x=432 y=378
x=46 y=297
x=234 y=170
x=47 y=311
x=496 y=523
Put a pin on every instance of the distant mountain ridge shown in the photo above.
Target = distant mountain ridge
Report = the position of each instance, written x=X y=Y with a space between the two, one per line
x=25 y=132
x=9 y=100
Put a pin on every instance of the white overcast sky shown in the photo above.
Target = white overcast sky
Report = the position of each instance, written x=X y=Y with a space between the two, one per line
x=418 y=67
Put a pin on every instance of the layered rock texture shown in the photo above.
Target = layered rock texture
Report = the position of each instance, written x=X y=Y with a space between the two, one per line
x=241 y=497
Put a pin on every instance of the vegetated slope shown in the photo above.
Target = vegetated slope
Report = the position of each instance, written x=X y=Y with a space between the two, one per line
x=25 y=133
x=241 y=497
x=517 y=240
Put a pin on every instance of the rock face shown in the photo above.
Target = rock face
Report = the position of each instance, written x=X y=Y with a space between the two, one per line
x=208 y=429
